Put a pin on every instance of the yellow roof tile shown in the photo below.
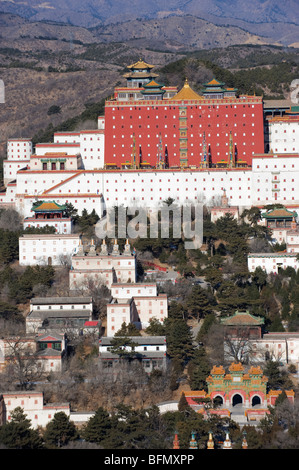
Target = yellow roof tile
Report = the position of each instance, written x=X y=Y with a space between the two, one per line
x=140 y=64
x=186 y=93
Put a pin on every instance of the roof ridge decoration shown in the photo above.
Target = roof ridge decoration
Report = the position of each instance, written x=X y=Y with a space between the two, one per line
x=187 y=93
x=140 y=64
x=236 y=367
x=233 y=319
x=217 y=370
x=255 y=370
x=279 y=212
x=48 y=206
x=214 y=82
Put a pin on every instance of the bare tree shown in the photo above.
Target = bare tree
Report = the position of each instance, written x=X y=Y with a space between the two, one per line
x=98 y=291
x=23 y=367
x=10 y=220
x=224 y=348
x=260 y=245
x=238 y=348
x=65 y=260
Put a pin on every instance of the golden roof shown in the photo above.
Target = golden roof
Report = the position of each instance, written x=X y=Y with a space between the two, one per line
x=152 y=83
x=214 y=82
x=218 y=370
x=242 y=318
x=194 y=393
x=186 y=93
x=140 y=64
x=236 y=367
x=255 y=370
x=48 y=206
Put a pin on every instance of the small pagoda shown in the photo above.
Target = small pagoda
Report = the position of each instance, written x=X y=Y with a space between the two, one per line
x=141 y=85
x=280 y=218
x=49 y=213
x=216 y=90
x=243 y=324
x=153 y=91
x=48 y=210
x=140 y=73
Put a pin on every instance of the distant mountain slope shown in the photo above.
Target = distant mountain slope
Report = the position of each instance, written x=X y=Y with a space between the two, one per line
x=174 y=33
x=181 y=32
x=94 y=12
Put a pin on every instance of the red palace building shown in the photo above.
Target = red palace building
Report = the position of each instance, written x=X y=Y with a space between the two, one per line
x=148 y=125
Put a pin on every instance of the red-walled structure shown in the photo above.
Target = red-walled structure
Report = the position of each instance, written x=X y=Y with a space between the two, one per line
x=214 y=129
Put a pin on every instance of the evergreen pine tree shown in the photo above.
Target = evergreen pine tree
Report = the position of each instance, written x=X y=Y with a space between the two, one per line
x=60 y=430
x=98 y=427
x=18 y=434
x=198 y=370
x=179 y=340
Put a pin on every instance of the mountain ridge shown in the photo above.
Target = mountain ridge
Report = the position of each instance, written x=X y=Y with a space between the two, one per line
x=91 y=13
x=174 y=33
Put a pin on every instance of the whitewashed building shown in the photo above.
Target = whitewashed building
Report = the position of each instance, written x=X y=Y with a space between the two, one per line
x=69 y=148
x=101 y=266
x=58 y=312
x=120 y=311
x=92 y=149
x=271 y=179
x=72 y=170
x=284 y=133
x=150 y=350
x=136 y=303
x=282 y=347
x=42 y=351
x=129 y=290
x=275 y=178
x=32 y=403
x=149 y=308
x=272 y=262
x=139 y=310
x=47 y=249
x=70 y=137
x=18 y=157
x=292 y=241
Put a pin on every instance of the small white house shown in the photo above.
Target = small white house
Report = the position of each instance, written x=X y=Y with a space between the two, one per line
x=150 y=350
x=138 y=289
x=120 y=311
x=272 y=262
x=47 y=249
x=33 y=406
x=69 y=313
x=18 y=157
x=282 y=347
x=293 y=241
x=136 y=303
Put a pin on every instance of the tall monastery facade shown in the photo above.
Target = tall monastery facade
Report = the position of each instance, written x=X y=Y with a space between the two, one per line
x=156 y=142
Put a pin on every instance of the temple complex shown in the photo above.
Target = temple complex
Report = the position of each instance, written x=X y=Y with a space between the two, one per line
x=214 y=128
x=246 y=390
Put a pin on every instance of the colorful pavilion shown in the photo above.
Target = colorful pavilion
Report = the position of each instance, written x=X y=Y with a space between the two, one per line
x=237 y=387
x=51 y=214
